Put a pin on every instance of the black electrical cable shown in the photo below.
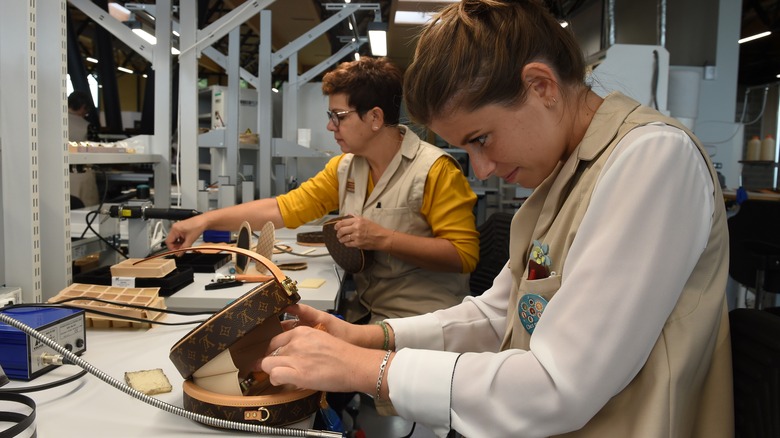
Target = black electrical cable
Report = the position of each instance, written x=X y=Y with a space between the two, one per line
x=61 y=304
x=102 y=200
x=45 y=386
x=110 y=245
x=23 y=422
x=411 y=432
x=95 y=213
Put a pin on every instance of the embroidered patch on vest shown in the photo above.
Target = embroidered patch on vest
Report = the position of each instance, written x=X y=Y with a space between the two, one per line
x=538 y=261
x=350 y=185
x=530 y=309
x=539 y=253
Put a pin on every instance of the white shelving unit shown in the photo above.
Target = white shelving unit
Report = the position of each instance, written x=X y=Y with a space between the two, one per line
x=218 y=155
x=112 y=158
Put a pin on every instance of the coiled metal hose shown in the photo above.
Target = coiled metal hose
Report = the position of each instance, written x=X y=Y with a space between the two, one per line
x=210 y=421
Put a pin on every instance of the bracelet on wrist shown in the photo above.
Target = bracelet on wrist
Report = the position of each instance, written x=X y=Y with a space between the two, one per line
x=386 y=332
x=382 y=367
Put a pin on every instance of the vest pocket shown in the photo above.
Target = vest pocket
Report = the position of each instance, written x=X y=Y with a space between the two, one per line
x=545 y=287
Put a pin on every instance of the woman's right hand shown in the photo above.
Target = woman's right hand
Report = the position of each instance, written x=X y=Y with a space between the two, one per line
x=184 y=233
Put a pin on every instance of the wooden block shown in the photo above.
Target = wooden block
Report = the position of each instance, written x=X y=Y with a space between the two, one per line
x=311 y=283
x=154 y=268
x=150 y=382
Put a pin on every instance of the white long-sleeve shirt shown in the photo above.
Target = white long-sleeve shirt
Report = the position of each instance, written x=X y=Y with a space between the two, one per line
x=654 y=194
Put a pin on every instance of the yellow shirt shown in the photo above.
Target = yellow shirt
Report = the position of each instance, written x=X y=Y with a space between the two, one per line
x=447 y=205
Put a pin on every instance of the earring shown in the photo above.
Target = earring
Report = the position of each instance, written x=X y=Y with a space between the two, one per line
x=375 y=128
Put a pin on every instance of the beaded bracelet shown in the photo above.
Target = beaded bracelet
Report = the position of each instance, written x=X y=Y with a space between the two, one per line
x=381 y=374
x=386 y=345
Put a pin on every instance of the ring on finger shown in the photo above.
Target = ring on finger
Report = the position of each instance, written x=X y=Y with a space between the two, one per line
x=276 y=352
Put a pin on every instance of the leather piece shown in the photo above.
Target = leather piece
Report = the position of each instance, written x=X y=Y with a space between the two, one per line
x=293 y=266
x=225 y=327
x=243 y=241
x=351 y=259
x=311 y=238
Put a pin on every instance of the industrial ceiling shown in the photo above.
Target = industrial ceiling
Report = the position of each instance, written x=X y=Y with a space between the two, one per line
x=759 y=61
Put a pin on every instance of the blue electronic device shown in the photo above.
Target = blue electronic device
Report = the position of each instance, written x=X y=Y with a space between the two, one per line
x=21 y=354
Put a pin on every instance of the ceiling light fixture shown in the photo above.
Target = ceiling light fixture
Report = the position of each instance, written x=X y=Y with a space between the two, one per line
x=91 y=59
x=413 y=17
x=149 y=38
x=755 y=37
x=377 y=38
x=126 y=70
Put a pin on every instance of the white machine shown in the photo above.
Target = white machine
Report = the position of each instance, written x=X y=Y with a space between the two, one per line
x=638 y=71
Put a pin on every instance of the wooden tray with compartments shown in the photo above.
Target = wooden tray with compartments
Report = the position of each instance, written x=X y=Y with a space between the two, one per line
x=118 y=296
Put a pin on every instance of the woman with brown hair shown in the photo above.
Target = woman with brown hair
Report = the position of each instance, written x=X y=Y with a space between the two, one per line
x=408 y=200
x=610 y=319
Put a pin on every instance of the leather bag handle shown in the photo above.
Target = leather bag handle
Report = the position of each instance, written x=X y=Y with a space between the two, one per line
x=289 y=285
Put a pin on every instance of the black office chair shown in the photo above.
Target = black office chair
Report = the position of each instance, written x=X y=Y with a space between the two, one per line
x=493 y=251
x=754 y=240
x=755 y=349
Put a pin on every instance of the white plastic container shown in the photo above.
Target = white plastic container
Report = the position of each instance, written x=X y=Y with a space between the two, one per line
x=767 y=149
x=753 y=149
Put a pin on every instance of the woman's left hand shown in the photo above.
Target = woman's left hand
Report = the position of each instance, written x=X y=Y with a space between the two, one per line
x=359 y=232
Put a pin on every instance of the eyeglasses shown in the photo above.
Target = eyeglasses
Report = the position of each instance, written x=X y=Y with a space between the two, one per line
x=336 y=116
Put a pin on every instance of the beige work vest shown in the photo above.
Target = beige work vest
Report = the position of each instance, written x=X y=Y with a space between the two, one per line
x=685 y=387
x=392 y=288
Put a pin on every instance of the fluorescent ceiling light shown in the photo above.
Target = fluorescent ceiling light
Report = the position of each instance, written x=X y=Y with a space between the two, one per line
x=91 y=59
x=377 y=38
x=413 y=17
x=357 y=56
x=126 y=70
x=755 y=37
x=149 y=38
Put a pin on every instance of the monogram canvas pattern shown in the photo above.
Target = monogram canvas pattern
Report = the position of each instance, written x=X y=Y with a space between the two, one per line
x=217 y=333
x=266 y=410
x=352 y=260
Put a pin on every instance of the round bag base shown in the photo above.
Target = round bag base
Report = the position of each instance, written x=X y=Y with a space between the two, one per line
x=274 y=410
